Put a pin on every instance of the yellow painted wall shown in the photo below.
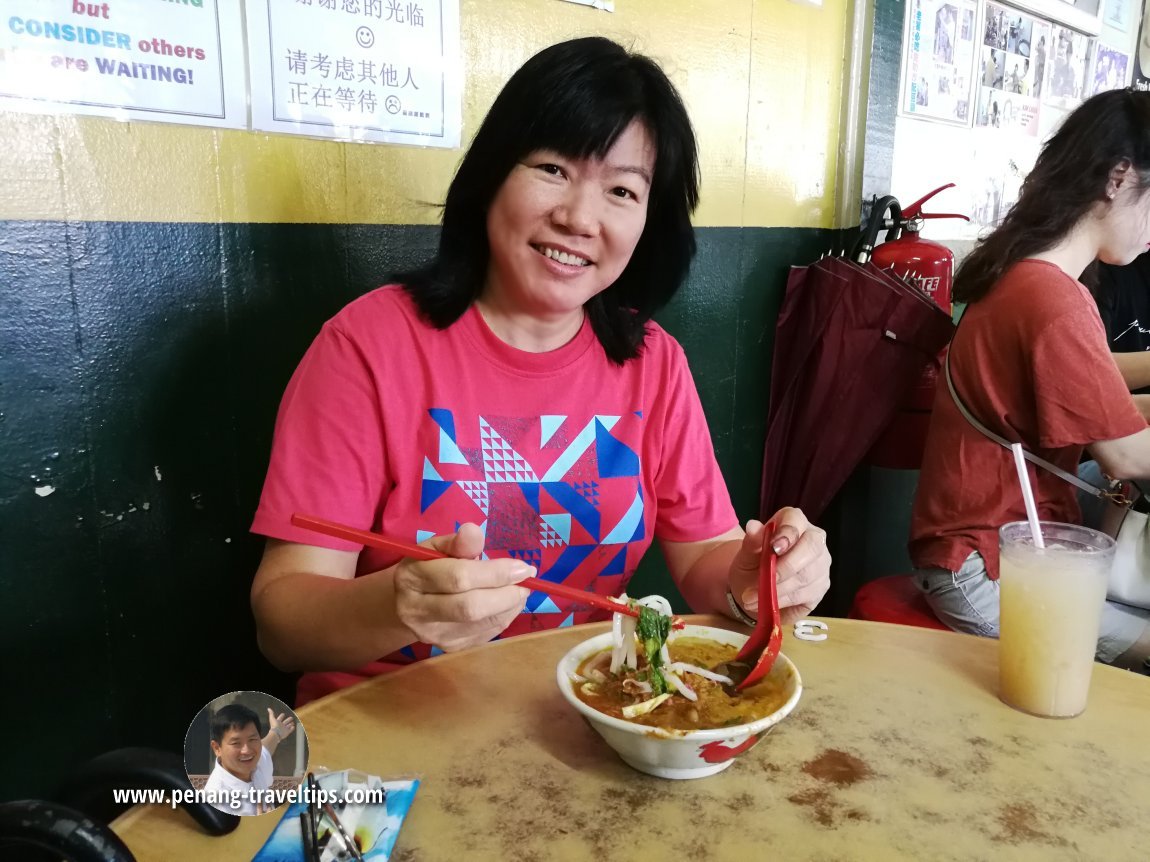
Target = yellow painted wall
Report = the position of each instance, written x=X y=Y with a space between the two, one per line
x=761 y=78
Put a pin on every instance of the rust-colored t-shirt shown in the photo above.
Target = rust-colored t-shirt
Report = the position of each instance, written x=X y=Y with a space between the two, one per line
x=1030 y=361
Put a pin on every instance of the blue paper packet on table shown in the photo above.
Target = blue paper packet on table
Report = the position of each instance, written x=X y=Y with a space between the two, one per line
x=373 y=825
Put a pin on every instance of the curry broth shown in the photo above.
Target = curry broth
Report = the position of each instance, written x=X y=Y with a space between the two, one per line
x=714 y=708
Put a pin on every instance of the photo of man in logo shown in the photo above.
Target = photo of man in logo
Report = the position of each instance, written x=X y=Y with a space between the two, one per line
x=243 y=757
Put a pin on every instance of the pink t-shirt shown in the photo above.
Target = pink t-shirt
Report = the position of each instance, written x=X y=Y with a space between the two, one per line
x=564 y=459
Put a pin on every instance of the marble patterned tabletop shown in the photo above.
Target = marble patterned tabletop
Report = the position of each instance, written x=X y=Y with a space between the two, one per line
x=898 y=749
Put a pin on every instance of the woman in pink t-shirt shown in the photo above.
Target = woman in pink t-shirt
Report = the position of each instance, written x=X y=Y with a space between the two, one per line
x=1031 y=363
x=513 y=404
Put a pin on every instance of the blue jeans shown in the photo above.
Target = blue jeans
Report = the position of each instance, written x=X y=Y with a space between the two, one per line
x=967 y=601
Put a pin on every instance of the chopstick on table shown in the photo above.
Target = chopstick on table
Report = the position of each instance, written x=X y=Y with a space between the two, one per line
x=419 y=552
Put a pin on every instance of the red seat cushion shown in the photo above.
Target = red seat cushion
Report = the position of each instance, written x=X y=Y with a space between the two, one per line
x=894 y=599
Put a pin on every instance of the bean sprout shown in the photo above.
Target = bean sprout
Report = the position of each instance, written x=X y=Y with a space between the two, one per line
x=706 y=674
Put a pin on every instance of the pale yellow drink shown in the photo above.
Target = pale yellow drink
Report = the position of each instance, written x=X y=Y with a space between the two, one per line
x=1050 y=604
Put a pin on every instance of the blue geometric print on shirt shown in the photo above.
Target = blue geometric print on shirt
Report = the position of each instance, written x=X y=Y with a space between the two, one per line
x=618 y=565
x=444 y=420
x=431 y=491
x=576 y=505
x=581 y=455
x=568 y=561
x=615 y=458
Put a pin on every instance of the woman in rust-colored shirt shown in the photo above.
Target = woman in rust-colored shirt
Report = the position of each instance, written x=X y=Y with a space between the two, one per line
x=1031 y=362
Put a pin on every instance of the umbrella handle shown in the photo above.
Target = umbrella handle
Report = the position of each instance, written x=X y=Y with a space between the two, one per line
x=878 y=220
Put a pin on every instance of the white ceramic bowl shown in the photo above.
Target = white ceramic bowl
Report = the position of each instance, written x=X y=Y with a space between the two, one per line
x=678 y=753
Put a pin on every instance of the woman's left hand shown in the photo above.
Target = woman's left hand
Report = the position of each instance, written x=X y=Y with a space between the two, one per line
x=803 y=570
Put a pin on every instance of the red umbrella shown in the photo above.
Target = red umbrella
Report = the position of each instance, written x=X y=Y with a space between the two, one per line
x=851 y=341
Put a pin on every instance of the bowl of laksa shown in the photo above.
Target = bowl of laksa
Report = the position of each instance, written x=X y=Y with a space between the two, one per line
x=674 y=717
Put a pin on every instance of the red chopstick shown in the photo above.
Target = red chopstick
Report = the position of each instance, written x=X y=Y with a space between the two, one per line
x=419 y=552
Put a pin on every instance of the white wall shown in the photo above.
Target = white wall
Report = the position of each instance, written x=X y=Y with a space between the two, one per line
x=987 y=164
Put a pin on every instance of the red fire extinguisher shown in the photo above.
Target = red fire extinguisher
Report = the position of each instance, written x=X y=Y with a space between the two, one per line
x=930 y=265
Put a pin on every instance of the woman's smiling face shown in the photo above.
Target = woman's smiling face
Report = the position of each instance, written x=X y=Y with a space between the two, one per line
x=561 y=230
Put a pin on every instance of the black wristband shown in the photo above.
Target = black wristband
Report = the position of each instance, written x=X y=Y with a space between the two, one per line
x=738 y=612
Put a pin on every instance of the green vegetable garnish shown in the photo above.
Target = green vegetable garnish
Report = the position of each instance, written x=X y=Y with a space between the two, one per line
x=653 y=629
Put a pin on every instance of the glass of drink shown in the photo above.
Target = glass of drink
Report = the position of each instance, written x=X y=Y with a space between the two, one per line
x=1050 y=605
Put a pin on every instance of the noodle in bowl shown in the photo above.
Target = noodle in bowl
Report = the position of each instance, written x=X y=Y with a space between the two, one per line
x=673 y=753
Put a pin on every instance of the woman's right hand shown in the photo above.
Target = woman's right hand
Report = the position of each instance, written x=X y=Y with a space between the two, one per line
x=460 y=602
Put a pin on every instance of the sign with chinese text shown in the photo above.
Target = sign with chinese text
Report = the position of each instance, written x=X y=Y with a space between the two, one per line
x=175 y=61
x=364 y=70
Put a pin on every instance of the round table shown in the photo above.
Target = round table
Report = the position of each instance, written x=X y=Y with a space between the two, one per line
x=898 y=749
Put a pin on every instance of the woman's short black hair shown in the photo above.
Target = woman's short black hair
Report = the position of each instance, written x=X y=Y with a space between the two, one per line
x=1068 y=180
x=575 y=98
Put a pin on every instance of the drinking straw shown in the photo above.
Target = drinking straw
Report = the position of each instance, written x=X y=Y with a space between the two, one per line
x=1027 y=496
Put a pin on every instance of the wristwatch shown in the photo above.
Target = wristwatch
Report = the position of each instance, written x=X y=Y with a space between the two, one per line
x=738 y=612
